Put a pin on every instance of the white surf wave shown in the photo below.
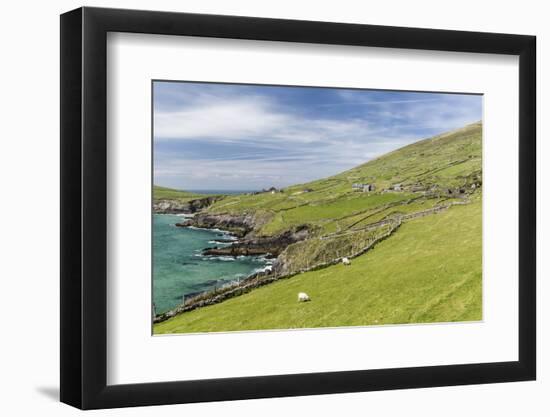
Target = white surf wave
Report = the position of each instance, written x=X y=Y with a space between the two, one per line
x=186 y=215
x=267 y=268
x=220 y=258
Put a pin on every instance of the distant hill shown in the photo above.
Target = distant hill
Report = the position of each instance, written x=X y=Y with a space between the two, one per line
x=413 y=177
x=165 y=193
x=452 y=159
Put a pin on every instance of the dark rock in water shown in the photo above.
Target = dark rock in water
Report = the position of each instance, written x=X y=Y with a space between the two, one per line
x=185 y=223
x=271 y=246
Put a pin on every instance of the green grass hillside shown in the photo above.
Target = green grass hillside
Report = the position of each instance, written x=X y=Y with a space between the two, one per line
x=428 y=271
x=164 y=193
x=425 y=171
x=427 y=194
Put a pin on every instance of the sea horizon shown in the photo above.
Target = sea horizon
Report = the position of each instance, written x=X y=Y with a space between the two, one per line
x=216 y=191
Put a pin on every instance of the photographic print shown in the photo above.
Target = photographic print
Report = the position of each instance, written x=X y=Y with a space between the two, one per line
x=289 y=207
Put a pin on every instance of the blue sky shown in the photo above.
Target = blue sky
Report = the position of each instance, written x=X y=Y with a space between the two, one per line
x=246 y=137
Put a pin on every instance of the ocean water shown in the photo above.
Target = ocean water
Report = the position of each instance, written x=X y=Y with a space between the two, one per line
x=180 y=269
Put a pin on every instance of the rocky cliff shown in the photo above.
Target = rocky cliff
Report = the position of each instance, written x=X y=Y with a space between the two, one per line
x=271 y=246
x=166 y=206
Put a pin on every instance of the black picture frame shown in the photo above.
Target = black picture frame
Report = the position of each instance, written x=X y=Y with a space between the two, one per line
x=84 y=207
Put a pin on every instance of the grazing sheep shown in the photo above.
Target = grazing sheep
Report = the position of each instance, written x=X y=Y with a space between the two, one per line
x=346 y=261
x=302 y=296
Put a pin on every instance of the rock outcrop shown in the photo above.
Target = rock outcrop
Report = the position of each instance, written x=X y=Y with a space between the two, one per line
x=245 y=227
x=238 y=224
x=271 y=246
x=185 y=207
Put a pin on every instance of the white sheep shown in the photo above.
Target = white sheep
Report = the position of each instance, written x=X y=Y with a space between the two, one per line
x=302 y=297
x=346 y=261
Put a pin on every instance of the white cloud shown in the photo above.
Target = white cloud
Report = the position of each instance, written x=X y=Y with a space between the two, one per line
x=244 y=118
x=282 y=146
x=223 y=119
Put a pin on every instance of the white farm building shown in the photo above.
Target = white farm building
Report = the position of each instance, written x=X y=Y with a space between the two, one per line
x=362 y=187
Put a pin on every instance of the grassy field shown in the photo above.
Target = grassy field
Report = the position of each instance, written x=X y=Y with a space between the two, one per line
x=428 y=271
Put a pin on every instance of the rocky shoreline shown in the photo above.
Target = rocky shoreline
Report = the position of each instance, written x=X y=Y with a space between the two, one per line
x=238 y=226
x=247 y=243
x=183 y=207
x=271 y=247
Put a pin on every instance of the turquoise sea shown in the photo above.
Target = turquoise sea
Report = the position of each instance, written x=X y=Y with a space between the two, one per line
x=179 y=269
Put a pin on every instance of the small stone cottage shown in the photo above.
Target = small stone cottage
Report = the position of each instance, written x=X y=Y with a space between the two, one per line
x=363 y=187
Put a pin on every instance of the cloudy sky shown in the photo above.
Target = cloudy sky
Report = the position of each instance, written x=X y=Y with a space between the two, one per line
x=246 y=137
